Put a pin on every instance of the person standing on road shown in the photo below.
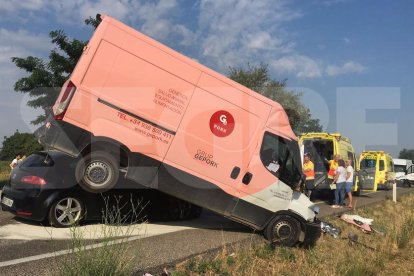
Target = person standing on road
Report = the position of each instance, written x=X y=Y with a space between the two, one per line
x=340 y=180
x=15 y=161
x=309 y=171
x=333 y=165
x=349 y=181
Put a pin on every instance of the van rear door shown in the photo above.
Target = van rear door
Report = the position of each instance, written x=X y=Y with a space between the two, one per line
x=367 y=174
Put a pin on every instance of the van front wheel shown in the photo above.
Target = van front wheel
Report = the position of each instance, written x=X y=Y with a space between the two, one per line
x=283 y=230
x=97 y=172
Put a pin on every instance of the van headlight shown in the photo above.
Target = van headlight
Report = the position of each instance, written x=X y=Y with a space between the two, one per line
x=316 y=209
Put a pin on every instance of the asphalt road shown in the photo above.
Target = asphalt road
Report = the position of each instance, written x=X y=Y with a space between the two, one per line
x=28 y=248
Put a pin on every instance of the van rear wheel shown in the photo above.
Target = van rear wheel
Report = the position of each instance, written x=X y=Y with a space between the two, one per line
x=283 y=230
x=97 y=172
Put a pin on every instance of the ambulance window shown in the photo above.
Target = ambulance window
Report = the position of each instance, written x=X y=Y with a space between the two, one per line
x=381 y=165
x=410 y=169
x=367 y=163
x=281 y=157
x=350 y=156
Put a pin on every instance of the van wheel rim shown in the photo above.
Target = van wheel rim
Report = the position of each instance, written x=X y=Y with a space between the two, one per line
x=283 y=230
x=68 y=211
x=97 y=173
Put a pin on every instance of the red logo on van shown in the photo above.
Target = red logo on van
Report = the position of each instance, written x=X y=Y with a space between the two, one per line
x=222 y=123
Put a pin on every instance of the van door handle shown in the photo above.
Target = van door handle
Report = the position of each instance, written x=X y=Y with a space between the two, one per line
x=247 y=178
x=235 y=172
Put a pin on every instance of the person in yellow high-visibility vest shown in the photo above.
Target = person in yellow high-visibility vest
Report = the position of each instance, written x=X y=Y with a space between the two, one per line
x=309 y=171
x=333 y=165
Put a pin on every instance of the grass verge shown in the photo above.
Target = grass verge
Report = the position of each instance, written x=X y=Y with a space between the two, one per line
x=4 y=173
x=385 y=253
x=110 y=256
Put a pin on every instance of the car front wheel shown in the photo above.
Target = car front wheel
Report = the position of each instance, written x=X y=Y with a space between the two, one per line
x=66 y=212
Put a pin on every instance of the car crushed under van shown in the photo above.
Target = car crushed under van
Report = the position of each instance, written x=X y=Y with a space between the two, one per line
x=322 y=148
x=172 y=124
x=376 y=170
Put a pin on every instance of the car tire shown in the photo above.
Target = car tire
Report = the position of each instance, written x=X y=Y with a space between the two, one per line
x=283 y=230
x=66 y=212
x=97 y=172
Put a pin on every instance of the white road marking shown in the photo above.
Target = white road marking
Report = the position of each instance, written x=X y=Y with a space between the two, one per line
x=129 y=233
x=65 y=252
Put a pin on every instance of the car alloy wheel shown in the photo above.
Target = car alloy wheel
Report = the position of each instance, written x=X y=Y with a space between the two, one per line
x=66 y=212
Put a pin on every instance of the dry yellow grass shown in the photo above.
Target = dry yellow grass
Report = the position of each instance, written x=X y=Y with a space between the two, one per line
x=389 y=253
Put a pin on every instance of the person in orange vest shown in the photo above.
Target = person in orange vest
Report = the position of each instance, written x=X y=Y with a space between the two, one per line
x=333 y=165
x=309 y=171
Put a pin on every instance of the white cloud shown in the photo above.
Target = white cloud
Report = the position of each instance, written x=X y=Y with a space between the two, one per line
x=301 y=66
x=346 y=68
x=347 y=40
x=16 y=5
x=233 y=33
x=20 y=43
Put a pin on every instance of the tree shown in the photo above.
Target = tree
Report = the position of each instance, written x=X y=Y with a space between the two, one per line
x=46 y=77
x=407 y=154
x=257 y=78
x=19 y=143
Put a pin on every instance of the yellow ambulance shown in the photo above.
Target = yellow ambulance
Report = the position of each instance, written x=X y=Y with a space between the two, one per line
x=376 y=170
x=322 y=147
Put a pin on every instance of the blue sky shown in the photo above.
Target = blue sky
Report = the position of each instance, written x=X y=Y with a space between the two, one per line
x=352 y=60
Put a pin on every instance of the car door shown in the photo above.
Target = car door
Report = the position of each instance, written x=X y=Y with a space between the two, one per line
x=266 y=183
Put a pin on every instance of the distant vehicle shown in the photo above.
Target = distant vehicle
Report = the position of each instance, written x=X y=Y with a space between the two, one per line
x=408 y=178
x=174 y=125
x=322 y=147
x=377 y=170
x=43 y=188
x=400 y=167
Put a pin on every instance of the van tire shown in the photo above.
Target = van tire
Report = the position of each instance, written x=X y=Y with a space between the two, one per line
x=283 y=230
x=97 y=172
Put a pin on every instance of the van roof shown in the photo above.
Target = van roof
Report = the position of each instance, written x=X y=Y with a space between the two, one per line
x=375 y=153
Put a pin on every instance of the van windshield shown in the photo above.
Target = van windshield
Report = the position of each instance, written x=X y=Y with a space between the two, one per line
x=281 y=157
x=400 y=168
x=368 y=163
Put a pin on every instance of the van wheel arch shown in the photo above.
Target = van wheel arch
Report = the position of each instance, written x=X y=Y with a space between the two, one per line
x=119 y=150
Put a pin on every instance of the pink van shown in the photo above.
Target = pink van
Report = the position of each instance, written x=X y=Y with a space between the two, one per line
x=134 y=105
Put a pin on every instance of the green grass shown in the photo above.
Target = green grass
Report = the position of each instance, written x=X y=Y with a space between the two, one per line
x=389 y=253
x=113 y=257
x=4 y=172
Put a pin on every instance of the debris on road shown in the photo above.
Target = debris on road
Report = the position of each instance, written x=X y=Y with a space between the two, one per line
x=329 y=228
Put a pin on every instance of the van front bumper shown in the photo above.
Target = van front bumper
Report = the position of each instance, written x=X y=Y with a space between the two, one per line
x=312 y=233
